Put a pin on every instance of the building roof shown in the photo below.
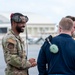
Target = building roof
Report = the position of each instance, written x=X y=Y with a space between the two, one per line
x=33 y=18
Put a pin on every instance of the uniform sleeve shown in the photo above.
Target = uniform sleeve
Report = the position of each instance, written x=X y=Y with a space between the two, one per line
x=11 y=55
x=41 y=62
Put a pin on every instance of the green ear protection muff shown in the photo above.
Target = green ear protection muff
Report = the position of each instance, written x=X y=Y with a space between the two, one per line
x=17 y=18
x=53 y=48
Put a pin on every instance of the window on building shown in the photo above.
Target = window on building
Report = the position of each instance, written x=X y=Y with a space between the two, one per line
x=29 y=30
x=46 y=28
x=41 y=29
x=35 y=30
x=52 y=28
x=3 y=30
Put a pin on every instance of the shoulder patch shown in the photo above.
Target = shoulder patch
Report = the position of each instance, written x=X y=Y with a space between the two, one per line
x=11 y=41
x=10 y=46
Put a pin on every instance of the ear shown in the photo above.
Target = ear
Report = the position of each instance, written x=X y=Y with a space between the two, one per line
x=72 y=30
x=59 y=29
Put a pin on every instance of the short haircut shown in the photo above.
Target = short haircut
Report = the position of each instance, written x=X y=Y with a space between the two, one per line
x=71 y=17
x=66 y=24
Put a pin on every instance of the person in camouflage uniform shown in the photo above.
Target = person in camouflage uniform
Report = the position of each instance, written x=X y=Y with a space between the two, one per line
x=13 y=47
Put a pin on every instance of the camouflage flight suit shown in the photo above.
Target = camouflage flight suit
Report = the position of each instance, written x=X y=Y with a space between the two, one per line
x=14 y=54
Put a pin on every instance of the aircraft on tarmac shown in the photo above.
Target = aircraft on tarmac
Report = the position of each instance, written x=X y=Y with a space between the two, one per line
x=32 y=40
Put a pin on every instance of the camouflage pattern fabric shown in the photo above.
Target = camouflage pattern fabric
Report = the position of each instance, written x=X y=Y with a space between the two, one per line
x=15 y=55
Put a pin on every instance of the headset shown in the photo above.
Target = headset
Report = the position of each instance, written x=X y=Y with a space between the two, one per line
x=17 y=18
x=53 y=47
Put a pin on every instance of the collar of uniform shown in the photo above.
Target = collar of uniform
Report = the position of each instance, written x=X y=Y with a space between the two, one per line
x=17 y=36
x=65 y=35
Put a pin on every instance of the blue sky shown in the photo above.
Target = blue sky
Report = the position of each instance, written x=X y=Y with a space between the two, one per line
x=53 y=9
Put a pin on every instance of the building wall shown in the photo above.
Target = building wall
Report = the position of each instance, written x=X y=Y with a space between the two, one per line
x=40 y=30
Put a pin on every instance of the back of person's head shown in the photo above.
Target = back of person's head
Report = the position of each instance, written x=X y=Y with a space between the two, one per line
x=71 y=17
x=66 y=24
x=16 y=17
